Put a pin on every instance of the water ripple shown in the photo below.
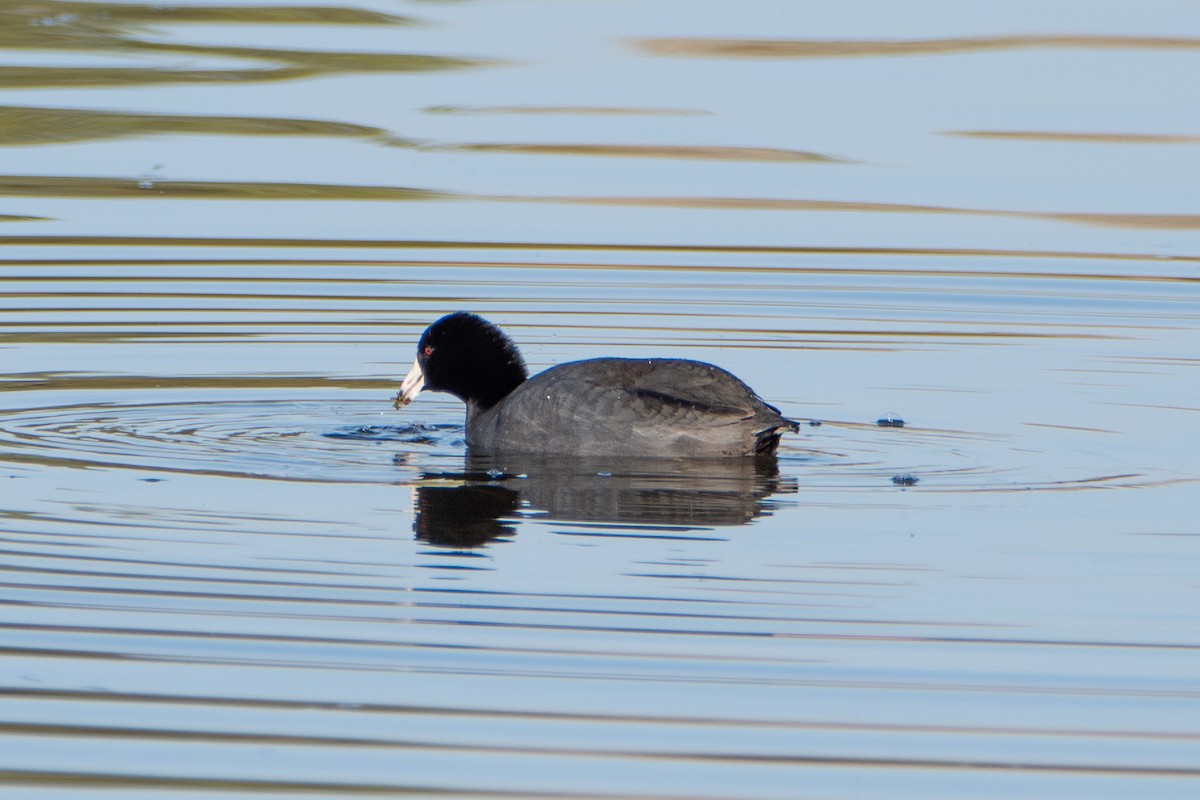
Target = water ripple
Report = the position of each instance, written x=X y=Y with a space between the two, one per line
x=275 y=439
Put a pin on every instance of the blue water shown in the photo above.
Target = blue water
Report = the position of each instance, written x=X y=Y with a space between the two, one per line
x=230 y=568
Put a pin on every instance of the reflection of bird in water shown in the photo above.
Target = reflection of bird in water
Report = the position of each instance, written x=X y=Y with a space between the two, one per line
x=480 y=503
x=464 y=516
x=659 y=407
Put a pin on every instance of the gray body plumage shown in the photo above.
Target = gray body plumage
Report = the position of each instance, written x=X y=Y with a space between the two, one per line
x=629 y=407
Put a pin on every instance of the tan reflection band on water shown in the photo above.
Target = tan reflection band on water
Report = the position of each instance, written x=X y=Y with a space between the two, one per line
x=715 y=47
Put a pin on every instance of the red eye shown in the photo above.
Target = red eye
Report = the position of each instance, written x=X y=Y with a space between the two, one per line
x=428 y=350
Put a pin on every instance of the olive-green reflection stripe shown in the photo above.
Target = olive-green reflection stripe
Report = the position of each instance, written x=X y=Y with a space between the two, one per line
x=83 y=77
x=89 y=187
x=275 y=65
x=1162 y=221
x=120 y=28
x=25 y=125
x=620 y=247
x=52 y=15
x=86 y=187
x=317 y=61
x=79 y=77
x=695 y=152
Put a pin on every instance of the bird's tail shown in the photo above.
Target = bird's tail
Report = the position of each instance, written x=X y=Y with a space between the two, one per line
x=766 y=441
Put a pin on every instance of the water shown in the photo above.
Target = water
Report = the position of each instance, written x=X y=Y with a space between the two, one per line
x=231 y=569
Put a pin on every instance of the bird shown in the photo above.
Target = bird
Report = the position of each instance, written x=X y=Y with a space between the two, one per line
x=654 y=407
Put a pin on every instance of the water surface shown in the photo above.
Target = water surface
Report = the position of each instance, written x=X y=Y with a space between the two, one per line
x=231 y=569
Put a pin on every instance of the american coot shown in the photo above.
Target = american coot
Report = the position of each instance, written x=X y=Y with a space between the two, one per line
x=666 y=407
